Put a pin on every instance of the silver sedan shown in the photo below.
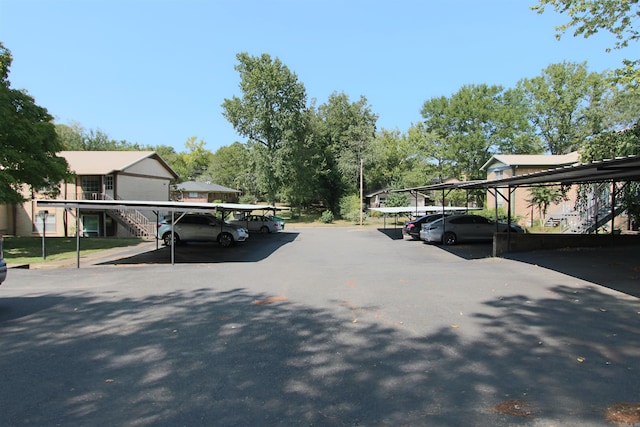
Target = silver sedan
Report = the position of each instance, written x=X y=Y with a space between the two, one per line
x=459 y=228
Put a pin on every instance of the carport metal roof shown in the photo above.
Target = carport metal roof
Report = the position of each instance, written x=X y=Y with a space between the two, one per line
x=151 y=205
x=618 y=169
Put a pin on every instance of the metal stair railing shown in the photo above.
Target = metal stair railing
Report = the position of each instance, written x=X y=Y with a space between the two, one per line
x=139 y=225
x=597 y=213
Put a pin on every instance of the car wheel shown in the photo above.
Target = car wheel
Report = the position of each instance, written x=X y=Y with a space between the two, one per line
x=167 y=239
x=225 y=240
x=264 y=229
x=449 y=238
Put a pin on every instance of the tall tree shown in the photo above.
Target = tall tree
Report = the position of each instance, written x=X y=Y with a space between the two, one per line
x=588 y=17
x=476 y=122
x=75 y=138
x=302 y=163
x=272 y=104
x=431 y=148
x=191 y=164
x=567 y=105
x=28 y=140
x=347 y=132
x=230 y=166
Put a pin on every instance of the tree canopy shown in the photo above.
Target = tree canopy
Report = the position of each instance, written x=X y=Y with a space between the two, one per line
x=28 y=140
x=588 y=17
x=270 y=108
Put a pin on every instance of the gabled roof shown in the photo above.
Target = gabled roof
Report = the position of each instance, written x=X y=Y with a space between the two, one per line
x=108 y=162
x=546 y=160
x=204 y=187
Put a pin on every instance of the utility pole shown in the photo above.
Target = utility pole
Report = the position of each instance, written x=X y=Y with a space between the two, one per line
x=361 y=195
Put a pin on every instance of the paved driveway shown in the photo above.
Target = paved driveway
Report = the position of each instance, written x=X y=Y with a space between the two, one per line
x=318 y=326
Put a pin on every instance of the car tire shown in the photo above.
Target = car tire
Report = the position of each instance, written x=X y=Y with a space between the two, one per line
x=264 y=229
x=225 y=240
x=167 y=239
x=449 y=238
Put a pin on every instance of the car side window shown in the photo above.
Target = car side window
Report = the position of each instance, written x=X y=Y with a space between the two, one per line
x=187 y=220
x=200 y=220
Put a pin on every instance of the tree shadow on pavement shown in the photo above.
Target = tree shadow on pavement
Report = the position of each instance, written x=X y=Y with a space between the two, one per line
x=207 y=357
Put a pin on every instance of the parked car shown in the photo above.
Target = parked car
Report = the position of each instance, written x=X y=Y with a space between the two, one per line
x=459 y=228
x=259 y=223
x=412 y=228
x=201 y=228
x=277 y=219
x=3 y=264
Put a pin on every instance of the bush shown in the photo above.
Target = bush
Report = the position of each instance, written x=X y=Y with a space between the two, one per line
x=326 y=217
x=350 y=208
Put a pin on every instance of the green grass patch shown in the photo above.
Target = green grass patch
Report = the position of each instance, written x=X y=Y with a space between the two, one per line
x=28 y=250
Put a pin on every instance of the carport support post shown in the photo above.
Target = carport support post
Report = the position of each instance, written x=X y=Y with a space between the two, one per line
x=78 y=238
x=613 y=206
x=157 y=221
x=173 y=242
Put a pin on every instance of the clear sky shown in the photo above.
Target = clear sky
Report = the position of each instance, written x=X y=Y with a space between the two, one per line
x=157 y=71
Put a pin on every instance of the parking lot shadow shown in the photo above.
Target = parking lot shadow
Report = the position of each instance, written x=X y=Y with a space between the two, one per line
x=616 y=268
x=476 y=250
x=256 y=248
x=392 y=233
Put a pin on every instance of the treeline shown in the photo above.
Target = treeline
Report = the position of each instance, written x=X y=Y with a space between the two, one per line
x=302 y=153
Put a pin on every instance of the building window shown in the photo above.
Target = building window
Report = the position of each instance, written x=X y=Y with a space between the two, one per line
x=193 y=194
x=90 y=187
x=108 y=182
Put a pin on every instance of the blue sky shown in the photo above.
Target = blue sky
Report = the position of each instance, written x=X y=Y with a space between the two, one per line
x=156 y=71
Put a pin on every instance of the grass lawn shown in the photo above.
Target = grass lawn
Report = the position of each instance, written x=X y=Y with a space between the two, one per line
x=28 y=250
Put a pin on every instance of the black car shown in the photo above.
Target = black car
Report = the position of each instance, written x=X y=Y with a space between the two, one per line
x=412 y=228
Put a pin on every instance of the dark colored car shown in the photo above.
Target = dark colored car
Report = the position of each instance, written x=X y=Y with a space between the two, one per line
x=412 y=228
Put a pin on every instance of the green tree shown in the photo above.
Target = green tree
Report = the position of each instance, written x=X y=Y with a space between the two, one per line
x=230 y=166
x=543 y=196
x=617 y=144
x=302 y=163
x=71 y=136
x=588 y=17
x=272 y=104
x=466 y=129
x=429 y=143
x=75 y=138
x=568 y=105
x=193 y=163
x=347 y=131
x=28 y=140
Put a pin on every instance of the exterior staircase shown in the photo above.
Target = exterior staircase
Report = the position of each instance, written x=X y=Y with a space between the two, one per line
x=137 y=224
x=596 y=213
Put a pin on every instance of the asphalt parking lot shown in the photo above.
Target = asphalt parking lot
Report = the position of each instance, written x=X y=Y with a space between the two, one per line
x=322 y=326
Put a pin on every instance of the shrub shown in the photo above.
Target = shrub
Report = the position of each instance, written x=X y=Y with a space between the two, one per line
x=326 y=217
x=350 y=208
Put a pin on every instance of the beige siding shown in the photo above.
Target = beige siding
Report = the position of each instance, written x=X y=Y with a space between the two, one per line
x=142 y=188
x=520 y=197
x=5 y=218
x=149 y=167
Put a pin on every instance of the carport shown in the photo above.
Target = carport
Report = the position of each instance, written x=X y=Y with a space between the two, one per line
x=155 y=206
x=620 y=170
